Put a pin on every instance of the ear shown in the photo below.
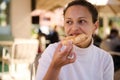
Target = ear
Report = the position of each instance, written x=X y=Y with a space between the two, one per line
x=96 y=25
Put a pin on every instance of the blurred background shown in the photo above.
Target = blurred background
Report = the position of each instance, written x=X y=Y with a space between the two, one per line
x=38 y=23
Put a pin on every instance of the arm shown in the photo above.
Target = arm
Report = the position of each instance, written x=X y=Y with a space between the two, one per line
x=59 y=60
x=52 y=73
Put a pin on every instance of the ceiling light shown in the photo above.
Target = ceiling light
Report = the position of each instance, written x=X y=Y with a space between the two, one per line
x=98 y=2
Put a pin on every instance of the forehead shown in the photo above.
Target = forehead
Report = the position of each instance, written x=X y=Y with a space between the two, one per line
x=78 y=10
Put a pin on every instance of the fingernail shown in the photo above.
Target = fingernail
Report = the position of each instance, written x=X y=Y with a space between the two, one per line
x=71 y=56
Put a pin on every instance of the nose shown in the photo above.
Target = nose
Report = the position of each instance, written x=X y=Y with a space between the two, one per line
x=75 y=27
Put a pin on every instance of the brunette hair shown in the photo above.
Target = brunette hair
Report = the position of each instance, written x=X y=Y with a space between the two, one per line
x=92 y=9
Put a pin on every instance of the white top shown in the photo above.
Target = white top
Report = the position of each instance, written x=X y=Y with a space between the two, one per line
x=92 y=63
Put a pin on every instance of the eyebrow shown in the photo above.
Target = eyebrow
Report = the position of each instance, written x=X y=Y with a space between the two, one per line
x=78 y=18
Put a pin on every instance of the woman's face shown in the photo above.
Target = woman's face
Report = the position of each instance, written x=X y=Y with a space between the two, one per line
x=78 y=20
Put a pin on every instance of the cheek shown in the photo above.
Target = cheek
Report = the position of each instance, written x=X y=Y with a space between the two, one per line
x=88 y=30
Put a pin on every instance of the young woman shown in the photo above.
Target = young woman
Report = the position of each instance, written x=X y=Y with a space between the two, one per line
x=88 y=62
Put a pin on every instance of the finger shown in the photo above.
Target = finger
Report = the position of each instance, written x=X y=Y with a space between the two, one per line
x=70 y=56
x=68 y=49
x=59 y=46
x=73 y=58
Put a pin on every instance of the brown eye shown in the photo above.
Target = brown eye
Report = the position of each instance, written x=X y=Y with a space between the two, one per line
x=81 y=21
x=69 y=22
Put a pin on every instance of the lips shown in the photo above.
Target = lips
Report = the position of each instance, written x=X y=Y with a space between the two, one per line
x=75 y=34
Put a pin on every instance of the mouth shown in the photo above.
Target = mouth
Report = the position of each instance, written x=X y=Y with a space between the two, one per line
x=74 y=34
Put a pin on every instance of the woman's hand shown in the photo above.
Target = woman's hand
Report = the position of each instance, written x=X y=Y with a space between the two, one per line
x=63 y=55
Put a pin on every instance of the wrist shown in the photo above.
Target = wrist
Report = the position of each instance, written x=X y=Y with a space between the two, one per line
x=55 y=67
x=52 y=72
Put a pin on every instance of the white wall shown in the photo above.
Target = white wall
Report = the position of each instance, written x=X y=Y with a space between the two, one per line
x=20 y=18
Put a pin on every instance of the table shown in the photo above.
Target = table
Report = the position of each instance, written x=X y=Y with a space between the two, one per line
x=115 y=53
x=6 y=43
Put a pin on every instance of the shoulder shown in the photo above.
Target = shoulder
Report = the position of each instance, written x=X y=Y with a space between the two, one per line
x=52 y=46
x=104 y=57
x=102 y=53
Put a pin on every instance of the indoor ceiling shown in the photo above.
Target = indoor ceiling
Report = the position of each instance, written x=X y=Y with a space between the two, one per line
x=113 y=6
x=51 y=4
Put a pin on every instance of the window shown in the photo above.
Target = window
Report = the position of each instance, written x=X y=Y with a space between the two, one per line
x=5 y=28
x=4 y=13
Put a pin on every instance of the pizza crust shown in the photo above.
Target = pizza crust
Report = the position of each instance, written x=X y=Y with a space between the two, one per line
x=75 y=39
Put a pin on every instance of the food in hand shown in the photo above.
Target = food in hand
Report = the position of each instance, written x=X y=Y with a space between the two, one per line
x=75 y=39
